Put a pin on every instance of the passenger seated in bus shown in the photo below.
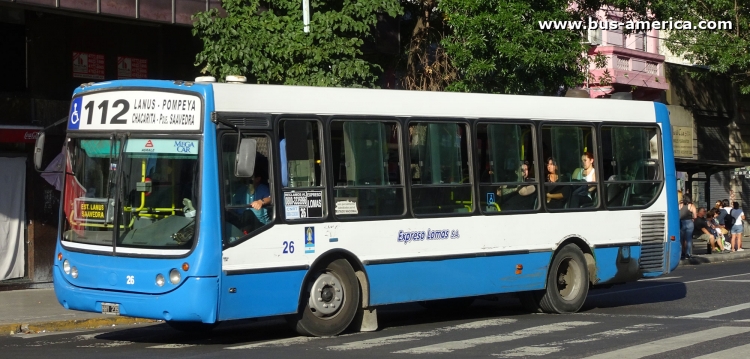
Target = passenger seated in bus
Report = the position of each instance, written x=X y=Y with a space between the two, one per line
x=557 y=196
x=520 y=196
x=583 y=195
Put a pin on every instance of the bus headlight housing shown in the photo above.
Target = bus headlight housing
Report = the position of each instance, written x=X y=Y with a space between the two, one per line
x=174 y=276
x=66 y=266
x=160 y=280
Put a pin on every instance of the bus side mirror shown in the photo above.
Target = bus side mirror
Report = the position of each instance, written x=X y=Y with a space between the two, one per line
x=244 y=163
x=39 y=151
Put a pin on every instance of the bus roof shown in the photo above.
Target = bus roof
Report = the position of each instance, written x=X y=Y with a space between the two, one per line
x=376 y=102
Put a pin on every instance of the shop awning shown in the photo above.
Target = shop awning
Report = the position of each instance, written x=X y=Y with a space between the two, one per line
x=709 y=167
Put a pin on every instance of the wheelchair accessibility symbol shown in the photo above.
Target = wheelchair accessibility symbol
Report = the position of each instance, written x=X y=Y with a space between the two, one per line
x=75 y=117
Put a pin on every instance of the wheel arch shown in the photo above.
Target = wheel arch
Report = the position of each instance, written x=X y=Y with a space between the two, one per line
x=359 y=271
x=588 y=254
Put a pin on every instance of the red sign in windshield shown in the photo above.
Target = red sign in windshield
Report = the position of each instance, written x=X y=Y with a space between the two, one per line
x=14 y=135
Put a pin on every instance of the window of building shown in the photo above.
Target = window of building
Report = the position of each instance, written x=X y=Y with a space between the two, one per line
x=243 y=212
x=505 y=157
x=632 y=165
x=570 y=163
x=366 y=169
x=439 y=168
x=301 y=169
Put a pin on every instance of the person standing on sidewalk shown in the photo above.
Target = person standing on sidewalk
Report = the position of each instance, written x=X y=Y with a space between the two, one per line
x=703 y=231
x=687 y=215
x=736 y=231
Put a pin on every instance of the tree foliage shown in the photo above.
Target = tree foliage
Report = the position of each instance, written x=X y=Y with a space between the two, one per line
x=725 y=52
x=264 y=40
x=498 y=46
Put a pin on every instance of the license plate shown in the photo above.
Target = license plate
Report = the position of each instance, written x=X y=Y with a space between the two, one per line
x=111 y=308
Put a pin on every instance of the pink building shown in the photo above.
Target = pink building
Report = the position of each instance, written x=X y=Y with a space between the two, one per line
x=633 y=62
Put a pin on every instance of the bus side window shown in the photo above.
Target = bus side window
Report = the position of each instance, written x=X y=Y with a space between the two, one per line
x=565 y=145
x=506 y=162
x=366 y=168
x=302 y=169
x=240 y=218
x=632 y=166
x=440 y=157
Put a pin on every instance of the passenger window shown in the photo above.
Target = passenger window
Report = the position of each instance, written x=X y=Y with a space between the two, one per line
x=301 y=170
x=505 y=156
x=241 y=194
x=440 y=177
x=366 y=169
x=632 y=165
x=570 y=164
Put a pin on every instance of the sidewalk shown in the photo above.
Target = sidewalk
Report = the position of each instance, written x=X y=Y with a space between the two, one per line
x=701 y=256
x=37 y=310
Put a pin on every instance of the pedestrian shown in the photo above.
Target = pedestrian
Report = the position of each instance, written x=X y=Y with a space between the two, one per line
x=687 y=216
x=726 y=227
x=703 y=230
x=737 y=216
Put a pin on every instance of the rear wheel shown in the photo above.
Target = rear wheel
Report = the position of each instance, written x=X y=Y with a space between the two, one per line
x=330 y=302
x=567 y=284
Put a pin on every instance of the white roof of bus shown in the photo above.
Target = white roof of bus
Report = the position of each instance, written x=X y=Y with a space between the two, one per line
x=346 y=101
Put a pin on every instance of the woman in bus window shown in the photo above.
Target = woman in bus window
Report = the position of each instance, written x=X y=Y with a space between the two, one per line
x=557 y=196
x=583 y=195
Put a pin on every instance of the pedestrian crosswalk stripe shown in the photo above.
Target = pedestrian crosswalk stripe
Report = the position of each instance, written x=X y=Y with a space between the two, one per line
x=407 y=337
x=672 y=343
x=721 y=311
x=731 y=353
x=171 y=346
x=554 y=347
x=275 y=343
x=448 y=347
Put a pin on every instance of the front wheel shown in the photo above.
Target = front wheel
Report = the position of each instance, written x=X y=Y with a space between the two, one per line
x=331 y=301
x=567 y=284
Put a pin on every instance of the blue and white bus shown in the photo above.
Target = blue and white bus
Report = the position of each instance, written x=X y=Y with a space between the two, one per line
x=201 y=202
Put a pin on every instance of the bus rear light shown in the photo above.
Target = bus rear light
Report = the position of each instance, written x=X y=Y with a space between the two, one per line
x=59 y=256
x=174 y=276
x=66 y=266
x=185 y=267
x=671 y=238
x=160 y=280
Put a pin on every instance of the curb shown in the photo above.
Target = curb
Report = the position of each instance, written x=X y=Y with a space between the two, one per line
x=715 y=258
x=54 y=326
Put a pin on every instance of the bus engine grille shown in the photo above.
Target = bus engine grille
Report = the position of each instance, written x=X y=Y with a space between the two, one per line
x=653 y=226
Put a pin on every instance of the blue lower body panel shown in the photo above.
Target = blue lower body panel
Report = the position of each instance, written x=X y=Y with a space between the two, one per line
x=617 y=264
x=260 y=294
x=452 y=278
x=195 y=300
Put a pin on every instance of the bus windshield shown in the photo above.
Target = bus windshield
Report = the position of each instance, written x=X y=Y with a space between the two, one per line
x=151 y=186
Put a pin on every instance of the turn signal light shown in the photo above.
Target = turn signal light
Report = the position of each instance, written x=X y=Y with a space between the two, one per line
x=185 y=267
x=519 y=268
x=671 y=238
x=59 y=256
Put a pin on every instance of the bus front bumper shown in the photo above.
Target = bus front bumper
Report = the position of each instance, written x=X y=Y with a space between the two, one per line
x=193 y=301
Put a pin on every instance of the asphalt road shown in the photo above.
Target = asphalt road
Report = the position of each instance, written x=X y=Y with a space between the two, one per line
x=696 y=311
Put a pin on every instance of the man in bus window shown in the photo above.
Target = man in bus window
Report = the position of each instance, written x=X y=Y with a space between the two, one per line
x=520 y=196
x=256 y=195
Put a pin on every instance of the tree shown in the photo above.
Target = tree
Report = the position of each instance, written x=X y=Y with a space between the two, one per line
x=723 y=51
x=264 y=41
x=498 y=46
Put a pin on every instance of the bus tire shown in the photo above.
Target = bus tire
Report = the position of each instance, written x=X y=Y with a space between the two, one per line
x=330 y=300
x=567 y=282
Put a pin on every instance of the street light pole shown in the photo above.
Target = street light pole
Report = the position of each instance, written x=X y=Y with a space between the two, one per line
x=306 y=15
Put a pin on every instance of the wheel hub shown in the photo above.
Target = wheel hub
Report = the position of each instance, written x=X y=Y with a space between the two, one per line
x=326 y=295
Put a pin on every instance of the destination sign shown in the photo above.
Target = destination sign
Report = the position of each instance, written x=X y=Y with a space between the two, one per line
x=90 y=210
x=136 y=110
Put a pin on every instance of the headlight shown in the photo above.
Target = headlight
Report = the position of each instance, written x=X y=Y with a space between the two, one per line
x=160 y=280
x=174 y=276
x=74 y=272
x=66 y=267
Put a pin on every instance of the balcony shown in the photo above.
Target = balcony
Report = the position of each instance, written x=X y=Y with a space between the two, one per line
x=627 y=70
